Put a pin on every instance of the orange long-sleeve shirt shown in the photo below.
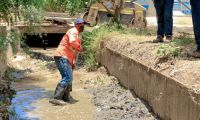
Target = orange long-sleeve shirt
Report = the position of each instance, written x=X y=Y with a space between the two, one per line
x=69 y=46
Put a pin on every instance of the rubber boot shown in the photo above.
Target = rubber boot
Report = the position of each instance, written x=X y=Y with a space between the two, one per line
x=66 y=97
x=59 y=92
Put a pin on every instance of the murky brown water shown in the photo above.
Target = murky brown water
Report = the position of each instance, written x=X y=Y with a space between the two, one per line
x=34 y=90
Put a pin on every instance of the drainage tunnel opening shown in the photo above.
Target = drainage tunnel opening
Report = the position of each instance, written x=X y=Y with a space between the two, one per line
x=43 y=40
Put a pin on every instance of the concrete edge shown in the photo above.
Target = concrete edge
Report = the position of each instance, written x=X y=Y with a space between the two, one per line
x=169 y=99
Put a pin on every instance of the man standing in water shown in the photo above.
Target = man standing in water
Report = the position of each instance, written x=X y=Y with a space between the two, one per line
x=64 y=57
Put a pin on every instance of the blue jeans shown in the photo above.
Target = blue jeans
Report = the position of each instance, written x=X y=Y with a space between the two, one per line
x=65 y=70
x=164 y=12
x=195 y=5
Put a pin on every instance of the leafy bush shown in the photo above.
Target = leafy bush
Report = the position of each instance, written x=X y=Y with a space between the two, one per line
x=10 y=10
x=13 y=39
x=71 y=6
x=91 y=41
x=3 y=43
x=166 y=51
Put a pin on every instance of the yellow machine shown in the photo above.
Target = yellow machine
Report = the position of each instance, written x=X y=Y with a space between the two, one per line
x=128 y=13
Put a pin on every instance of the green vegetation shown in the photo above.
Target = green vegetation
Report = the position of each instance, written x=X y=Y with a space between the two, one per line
x=13 y=39
x=174 y=48
x=166 y=51
x=3 y=43
x=71 y=6
x=9 y=74
x=183 y=39
x=11 y=10
x=99 y=81
x=91 y=41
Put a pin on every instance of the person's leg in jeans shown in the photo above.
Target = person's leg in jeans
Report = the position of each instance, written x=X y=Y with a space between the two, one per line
x=195 y=5
x=65 y=70
x=168 y=19
x=159 y=6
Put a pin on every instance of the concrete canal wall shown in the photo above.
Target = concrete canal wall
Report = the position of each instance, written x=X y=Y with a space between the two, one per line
x=169 y=99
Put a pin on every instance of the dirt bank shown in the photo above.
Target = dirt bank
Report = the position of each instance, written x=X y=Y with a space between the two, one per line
x=6 y=91
x=183 y=69
x=5 y=98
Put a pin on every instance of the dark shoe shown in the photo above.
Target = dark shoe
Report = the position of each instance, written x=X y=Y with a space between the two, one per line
x=59 y=92
x=158 y=39
x=195 y=54
x=169 y=38
x=66 y=97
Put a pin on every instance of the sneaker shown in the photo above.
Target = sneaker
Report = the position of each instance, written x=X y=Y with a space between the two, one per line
x=169 y=38
x=195 y=54
x=158 y=39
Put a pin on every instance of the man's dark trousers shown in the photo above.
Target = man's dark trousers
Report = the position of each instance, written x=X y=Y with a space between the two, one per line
x=195 y=5
x=164 y=11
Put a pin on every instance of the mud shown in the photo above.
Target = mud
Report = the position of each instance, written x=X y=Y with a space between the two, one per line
x=116 y=103
x=113 y=101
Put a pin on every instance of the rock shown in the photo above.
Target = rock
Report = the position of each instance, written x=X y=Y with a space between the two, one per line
x=114 y=79
x=117 y=106
x=17 y=75
x=102 y=70
x=18 y=58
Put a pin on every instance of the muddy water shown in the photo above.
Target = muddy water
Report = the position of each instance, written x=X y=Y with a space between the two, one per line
x=32 y=104
x=36 y=87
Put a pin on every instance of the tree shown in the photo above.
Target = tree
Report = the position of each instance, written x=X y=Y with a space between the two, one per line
x=10 y=10
x=71 y=6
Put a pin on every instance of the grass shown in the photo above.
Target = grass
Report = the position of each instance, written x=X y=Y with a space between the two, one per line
x=91 y=40
x=167 y=50
x=183 y=39
x=174 y=48
x=99 y=81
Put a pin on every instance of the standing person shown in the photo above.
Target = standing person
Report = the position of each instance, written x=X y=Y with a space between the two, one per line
x=164 y=12
x=195 y=5
x=64 y=57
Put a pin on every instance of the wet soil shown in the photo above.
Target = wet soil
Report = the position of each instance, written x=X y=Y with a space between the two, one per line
x=97 y=96
x=116 y=103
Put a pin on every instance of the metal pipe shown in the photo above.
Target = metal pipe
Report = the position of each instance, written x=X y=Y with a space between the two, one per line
x=184 y=4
